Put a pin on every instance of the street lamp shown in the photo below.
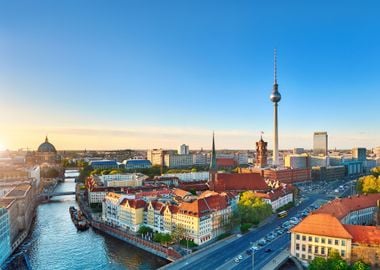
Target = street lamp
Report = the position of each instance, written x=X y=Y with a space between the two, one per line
x=253 y=257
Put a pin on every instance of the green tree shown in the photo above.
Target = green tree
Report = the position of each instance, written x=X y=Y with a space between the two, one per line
x=318 y=264
x=178 y=233
x=359 y=265
x=245 y=227
x=253 y=209
x=144 y=230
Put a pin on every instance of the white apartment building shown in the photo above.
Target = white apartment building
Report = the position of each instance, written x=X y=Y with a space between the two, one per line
x=189 y=177
x=178 y=161
x=123 y=180
x=296 y=161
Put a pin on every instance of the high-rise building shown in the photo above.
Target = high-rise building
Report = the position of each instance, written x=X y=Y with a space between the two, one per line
x=183 y=149
x=261 y=153
x=359 y=153
x=275 y=97
x=320 y=143
x=156 y=157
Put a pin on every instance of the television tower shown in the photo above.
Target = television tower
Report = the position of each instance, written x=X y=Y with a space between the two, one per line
x=275 y=97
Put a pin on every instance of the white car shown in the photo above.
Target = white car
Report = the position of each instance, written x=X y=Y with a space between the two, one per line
x=236 y=260
x=240 y=257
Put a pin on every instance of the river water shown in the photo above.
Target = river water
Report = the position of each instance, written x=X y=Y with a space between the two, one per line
x=55 y=243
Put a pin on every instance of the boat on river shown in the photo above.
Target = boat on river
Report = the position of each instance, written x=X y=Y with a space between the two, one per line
x=79 y=220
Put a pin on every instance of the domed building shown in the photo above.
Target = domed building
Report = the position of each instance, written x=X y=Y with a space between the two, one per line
x=46 y=153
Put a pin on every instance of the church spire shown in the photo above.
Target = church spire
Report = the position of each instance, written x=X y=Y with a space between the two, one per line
x=213 y=154
x=46 y=139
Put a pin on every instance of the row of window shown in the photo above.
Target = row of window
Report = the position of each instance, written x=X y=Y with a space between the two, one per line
x=321 y=240
x=323 y=252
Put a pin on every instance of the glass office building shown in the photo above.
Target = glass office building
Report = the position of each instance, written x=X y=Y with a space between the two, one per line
x=5 y=240
x=320 y=146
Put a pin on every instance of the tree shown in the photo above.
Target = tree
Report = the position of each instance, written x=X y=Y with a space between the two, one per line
x=178 y=233
x=144 y=230
x=253 y=209
x=245 y=227
x=359 y=265
x=369 y=184
x=318 y=264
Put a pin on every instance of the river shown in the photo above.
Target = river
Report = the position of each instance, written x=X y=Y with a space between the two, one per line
x=54 y=242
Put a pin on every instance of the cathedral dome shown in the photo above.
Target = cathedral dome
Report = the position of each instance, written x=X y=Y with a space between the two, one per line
x=46 y=147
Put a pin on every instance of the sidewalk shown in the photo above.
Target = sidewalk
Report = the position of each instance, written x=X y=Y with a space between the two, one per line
x=277 y=261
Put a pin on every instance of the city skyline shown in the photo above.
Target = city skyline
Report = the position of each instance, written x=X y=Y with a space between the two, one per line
x=109 y=78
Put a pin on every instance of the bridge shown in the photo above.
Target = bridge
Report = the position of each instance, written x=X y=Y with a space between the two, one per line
x=47 y=196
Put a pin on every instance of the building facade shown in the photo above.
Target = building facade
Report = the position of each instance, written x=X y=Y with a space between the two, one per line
x=342 y=225
x=320 y=143
x=183 y=149
x=178 y=161
x=359 y=153
x=5 y=239
x=156 y=157
x=261 y=153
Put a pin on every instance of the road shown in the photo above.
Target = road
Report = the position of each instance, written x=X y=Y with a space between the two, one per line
x=223 y=257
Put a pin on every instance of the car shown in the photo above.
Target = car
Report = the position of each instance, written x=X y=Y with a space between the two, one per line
x=268 y=250
x=254 y=248
x=262 y=242
x=236 y=260
x=240 y=257
x=248 y=251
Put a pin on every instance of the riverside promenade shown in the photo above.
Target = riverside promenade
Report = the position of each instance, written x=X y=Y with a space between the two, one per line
x=167 y=253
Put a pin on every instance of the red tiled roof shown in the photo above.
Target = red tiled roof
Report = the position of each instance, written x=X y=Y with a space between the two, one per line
x=323 y=225
x=204 y=205
x=364 y=234
x=180 y=192
x=342 y=207
x=225 y=162
x=274 y=194
x=239 y=181
x=134 y=203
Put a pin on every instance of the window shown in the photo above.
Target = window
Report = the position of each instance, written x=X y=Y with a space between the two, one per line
x=297 y=255
x=310 y=238
x=322 y=250
x=303 y=248
x=342 y=253
x=336 y=242
x=303 y=256
x=343 y=242
x=323 y=240
x=303 y=238
x=309 y=257
x=329 y=241
x=297 y=236
x=316 y=249
x=316 y=239
x=297 y=246
x=310 y=249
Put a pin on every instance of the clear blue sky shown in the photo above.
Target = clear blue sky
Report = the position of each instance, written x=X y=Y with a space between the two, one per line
x=139 y=74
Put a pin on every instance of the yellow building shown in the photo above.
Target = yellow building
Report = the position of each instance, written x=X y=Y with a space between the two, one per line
x=131 y=214
x=317 y=235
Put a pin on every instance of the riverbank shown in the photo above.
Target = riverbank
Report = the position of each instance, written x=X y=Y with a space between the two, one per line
x=55 y=243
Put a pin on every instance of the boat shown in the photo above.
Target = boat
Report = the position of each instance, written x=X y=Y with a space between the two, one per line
x=79 y=220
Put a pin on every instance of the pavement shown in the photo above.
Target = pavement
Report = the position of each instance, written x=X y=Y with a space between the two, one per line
x=274 y=264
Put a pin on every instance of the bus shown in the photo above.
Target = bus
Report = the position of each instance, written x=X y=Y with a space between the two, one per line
x=282 y=214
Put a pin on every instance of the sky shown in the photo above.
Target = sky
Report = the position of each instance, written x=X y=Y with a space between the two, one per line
x=152 y=74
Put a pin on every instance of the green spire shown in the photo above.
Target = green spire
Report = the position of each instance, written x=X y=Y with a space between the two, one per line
x=213 y=155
